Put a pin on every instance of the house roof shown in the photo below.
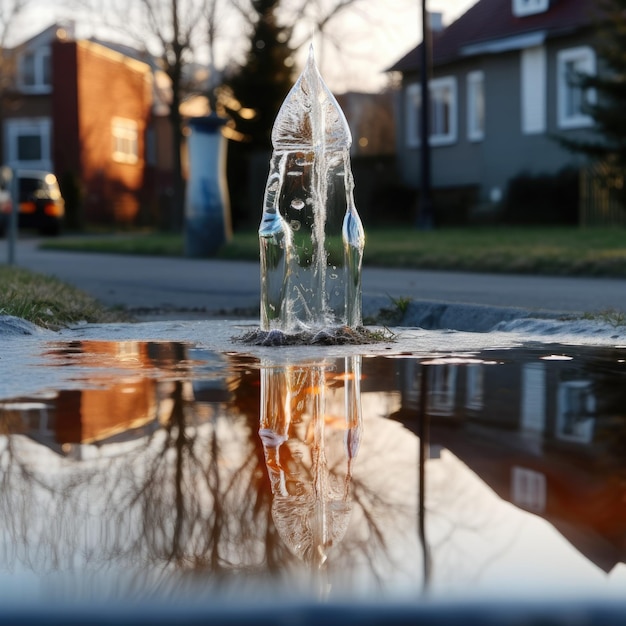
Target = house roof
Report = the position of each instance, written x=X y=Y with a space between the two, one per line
x=58 y=30
x=490 y=22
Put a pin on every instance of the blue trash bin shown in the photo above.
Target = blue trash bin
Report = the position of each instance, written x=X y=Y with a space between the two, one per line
x=207 y=207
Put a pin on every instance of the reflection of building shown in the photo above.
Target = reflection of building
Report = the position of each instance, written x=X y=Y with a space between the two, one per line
x=123 y=399
x=546 y=432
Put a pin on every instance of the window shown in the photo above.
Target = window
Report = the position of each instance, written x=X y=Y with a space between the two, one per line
x=442 y=121
x=28 y=142
x=533 y=89
x=533 y=405
x=571 y=98
x=474 y=386
x=442 y=389
x=528 y=489
x=413 y=104
x=475 y=106
x=576 y=407
x=125 y=140
x=443 y=111
x=29 y=147
x=529 y=7
x=35 y=71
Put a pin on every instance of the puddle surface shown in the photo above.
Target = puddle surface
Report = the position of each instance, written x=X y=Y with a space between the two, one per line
x=168 y=469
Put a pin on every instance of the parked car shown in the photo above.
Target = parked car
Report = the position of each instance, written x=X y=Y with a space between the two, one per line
x=41 y=205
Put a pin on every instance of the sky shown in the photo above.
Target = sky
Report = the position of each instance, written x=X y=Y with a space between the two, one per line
x=372 y=36
x=375 y=39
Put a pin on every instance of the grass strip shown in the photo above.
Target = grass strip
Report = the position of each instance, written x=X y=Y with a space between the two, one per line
x=566 y=251
x=48 y=302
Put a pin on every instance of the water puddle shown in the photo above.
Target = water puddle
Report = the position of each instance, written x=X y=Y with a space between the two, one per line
x=166 y=468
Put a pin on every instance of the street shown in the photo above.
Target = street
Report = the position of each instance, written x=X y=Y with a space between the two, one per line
x=185 y=287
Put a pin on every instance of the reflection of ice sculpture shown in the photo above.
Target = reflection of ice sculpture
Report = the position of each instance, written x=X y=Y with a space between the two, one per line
x=311 y=236
x=303 y=414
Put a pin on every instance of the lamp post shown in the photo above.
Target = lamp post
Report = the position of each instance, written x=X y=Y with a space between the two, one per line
x=425 y=210
x=9 y=182
x=423 y=435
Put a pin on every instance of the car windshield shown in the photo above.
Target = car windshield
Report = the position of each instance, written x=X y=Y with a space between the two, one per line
x=28 y=187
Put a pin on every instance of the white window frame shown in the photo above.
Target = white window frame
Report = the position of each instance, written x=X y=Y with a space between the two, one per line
x=438 y=85
x=585 y=59
x=125 y=136
x=40 y=57
x=533 y=74
x=17 y=127
x=575 y=427
x=476 y=105
x=533 y=405
x=413 y=102
x=522 y=8
x=442 y=389
x=529 y=489
x=474 y=389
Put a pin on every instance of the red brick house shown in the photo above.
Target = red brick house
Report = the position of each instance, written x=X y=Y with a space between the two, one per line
x=84 y=112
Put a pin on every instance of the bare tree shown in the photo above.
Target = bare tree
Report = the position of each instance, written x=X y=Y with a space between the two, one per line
x=10 y=11
x=339 y=26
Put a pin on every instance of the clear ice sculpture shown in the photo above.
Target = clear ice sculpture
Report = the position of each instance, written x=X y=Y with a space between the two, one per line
x=311 y=236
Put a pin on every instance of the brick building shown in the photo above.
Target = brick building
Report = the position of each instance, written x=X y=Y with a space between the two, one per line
x=84 y=111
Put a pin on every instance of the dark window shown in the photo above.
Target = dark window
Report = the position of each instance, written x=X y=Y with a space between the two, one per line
x=29 y=148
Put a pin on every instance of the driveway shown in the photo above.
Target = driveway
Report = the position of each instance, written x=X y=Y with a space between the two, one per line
x=194 y=287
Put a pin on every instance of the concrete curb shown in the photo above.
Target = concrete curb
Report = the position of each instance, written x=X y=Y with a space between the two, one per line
x=10 y=326
x=444 y=315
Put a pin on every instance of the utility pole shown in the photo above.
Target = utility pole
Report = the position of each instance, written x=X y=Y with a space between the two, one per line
x=9 y=182
x=425 y=219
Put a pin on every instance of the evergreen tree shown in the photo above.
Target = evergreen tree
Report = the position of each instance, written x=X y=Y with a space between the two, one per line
x=608 y=144
x=261 y=84
x=255 y=92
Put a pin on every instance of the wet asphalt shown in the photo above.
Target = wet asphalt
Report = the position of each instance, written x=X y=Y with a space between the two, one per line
x=183 y=288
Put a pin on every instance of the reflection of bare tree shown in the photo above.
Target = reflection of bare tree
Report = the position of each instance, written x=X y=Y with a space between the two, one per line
x=191 y=496
x=194 y=495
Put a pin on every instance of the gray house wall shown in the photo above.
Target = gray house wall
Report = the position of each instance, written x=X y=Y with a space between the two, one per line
x=505 y=151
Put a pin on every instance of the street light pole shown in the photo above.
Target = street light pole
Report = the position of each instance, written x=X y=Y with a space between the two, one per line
x=425 y=212
x=7 y=178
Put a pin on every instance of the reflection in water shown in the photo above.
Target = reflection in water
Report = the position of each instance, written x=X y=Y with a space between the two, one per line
x=302 y=412
x=176 y=489
x=160 y=466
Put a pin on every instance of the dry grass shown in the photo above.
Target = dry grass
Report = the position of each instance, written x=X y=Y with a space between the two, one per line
x=48 y=302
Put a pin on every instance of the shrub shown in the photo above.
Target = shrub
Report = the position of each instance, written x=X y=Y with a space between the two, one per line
x=543 y=198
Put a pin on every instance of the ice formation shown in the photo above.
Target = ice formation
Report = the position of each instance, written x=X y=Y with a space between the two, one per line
x=311 y=236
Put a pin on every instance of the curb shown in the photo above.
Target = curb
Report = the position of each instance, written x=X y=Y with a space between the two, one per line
x=444 y=315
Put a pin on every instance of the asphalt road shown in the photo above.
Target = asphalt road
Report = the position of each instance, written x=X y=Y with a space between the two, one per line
x=188 y=287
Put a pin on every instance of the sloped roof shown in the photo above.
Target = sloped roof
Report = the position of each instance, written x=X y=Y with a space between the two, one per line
x=58 y=30
x=492 y=20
